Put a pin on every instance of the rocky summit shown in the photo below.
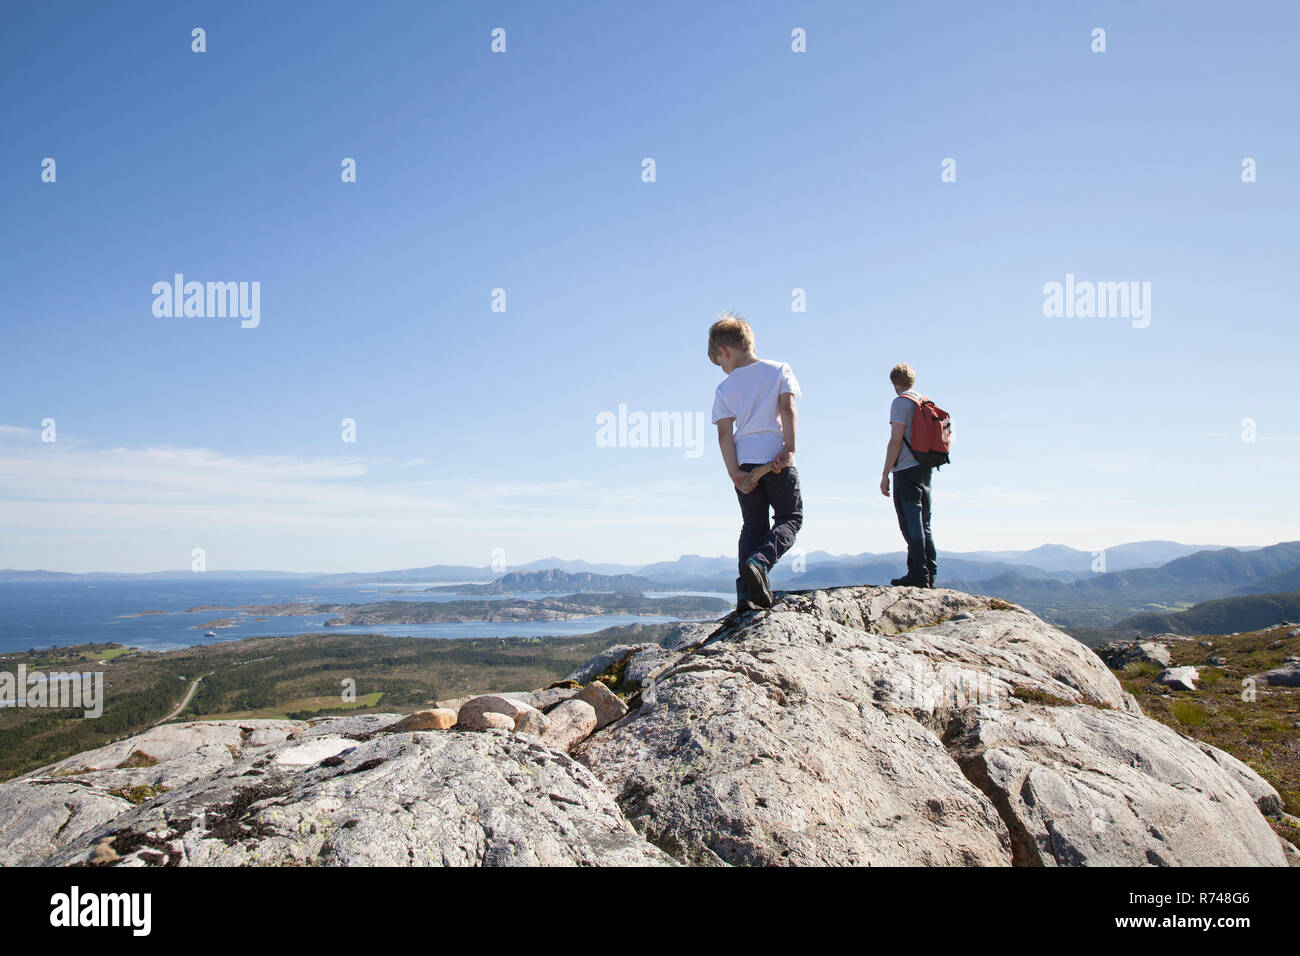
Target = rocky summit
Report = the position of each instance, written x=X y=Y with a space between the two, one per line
x=854 y=726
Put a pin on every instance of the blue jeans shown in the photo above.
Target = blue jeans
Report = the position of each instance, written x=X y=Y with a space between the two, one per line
x=769 y=539
x=912 y=504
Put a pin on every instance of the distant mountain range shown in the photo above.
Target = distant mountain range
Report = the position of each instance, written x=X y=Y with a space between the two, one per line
x=1122 y=557
x=1104 y=599
x=1288 y=580
x=822 y=569
x=1062 y=593
x=1053 y=561
x=555 y=581
x=1049 y=560
x=1224 y=616
x=1160 y=578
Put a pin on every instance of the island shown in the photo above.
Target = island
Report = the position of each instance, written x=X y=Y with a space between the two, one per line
x=562 y=608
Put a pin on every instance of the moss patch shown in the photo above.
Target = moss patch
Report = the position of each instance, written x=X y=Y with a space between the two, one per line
x=137 y=759
x=1189 y=713
x=138 y=794
x=72 y=771
x=1032 y=695
x=1142 y=669
x=615 y=677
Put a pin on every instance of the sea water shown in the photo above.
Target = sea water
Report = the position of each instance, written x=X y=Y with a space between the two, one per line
x=77 y=611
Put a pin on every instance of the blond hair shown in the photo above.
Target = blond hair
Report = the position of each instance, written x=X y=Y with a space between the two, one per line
x=730 y=331
x=903 y=374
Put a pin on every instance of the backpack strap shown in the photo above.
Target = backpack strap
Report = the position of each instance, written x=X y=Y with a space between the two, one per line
x=919 y=400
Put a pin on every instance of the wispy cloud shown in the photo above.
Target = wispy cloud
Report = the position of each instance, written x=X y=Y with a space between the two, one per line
x=277 y=510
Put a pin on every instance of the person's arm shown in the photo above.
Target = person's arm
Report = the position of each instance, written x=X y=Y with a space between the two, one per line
x=789 y=429
x=892 y=451
x=727 y=444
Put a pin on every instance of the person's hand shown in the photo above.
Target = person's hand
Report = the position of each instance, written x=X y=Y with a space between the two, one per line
x=783 y=460
x=884 y=485
x=738 y=478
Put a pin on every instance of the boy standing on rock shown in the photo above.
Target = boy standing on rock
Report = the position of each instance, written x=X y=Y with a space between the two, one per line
x=755 y=413
x=911 y=482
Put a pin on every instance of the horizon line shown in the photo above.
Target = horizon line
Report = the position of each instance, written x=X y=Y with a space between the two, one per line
x=624 y=564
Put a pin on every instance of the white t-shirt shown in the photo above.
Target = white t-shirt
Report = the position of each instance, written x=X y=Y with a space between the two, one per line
x=751 y=395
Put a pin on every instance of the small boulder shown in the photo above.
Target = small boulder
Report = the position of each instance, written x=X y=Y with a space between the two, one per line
x=604 y=702
x=486 y=720
x=1217 y=661
x=440 y=718
x=550 y=697
x=571 y=722
x=532 y=722
x=1179 y=678
x=1119 y=654
x=1157 y=654
x=475 y=707
x=1282 y=676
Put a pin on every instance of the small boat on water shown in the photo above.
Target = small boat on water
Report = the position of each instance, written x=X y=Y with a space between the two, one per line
x=210 y=634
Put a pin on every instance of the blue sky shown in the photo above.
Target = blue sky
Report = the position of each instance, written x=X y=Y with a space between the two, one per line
x=476 y=430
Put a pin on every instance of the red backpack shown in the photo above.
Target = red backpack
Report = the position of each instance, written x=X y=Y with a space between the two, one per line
x=931 y=433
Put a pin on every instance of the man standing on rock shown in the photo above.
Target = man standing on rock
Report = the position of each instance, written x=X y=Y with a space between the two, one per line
x=755 y=413
x=911 y=482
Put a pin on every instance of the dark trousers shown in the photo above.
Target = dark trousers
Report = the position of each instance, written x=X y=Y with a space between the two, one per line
x=912 y=504
x=769 y=539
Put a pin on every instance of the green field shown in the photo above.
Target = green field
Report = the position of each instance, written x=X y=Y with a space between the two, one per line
x=73 y=657
x=299 y=677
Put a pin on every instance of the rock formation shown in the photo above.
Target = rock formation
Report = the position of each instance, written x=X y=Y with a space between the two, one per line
x=1287 y=676
x=1179 y=678
x=859 y=726
x=1117 y=654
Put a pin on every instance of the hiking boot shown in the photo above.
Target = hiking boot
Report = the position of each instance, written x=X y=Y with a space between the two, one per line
x=754 y=574
x=929 y=581
x=907 y=581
